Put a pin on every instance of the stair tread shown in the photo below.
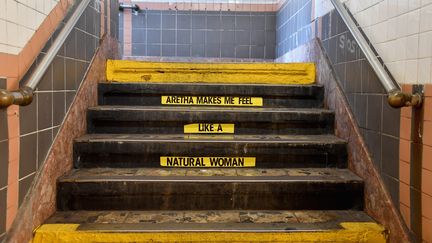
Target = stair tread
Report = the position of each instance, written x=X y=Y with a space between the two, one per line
x=212 y=220
x=210 y=109
x=212 y=175
x=124 y=84
x=196 y=138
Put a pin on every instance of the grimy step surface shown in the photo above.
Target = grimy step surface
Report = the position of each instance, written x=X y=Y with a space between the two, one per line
x=266 y=151
x=171 y=120
x=294 y=96
x=209 y=221
x=203 y=189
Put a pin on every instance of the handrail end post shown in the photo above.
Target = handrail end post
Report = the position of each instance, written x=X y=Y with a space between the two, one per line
x=6 y=98
x=399 y=99
x=22 y=97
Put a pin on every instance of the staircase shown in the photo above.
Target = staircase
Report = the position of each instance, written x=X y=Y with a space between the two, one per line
x=210 y=162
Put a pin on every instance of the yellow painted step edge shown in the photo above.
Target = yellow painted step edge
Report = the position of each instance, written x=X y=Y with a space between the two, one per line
x=247 y=73
x=351 y=232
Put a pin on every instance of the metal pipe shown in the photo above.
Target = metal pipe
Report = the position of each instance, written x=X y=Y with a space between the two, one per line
x=396 y=98
x=124 y=6
x=24 y=95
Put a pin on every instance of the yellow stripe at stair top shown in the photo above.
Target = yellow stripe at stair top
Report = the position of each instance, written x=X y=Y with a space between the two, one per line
x=351 y=232
x=246 y=73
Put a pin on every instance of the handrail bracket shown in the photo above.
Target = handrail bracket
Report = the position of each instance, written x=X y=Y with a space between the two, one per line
x=23 y=96
x=398 y=99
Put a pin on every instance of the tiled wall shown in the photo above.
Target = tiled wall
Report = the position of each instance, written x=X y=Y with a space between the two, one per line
x=39 y=122
x=395 y=154
x=216 y=34
x=19 y=20
x=293 y=25
x=378 y=122
x=392 y=25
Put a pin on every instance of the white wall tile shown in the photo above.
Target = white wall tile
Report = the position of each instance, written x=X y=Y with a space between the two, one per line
x=425 y=45
x=11 y=11
x=426 y=18
x=22 y=14
x=401 y=25
x=3 y=9
x=20 y=19
x=401 y=31
x=3 y=36
x=391 y=29
x=414 y=4
x=382 y=9
x=397 y=69
x=411 y=72
x=424 y=70
x=9 y=49
x=402 y=6
x=24 y=36
x=413 y=22
x=392 y=8
x=425 y=2
x=12 y=34
x=401 y=50
x=412 y=44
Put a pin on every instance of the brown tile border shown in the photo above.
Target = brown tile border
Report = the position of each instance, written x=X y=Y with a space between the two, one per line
x=428 y=90
x=127 y=32
x=13 y=166
x=40 y=201
x=427 y=132
x=427 y=156
x=427 y=234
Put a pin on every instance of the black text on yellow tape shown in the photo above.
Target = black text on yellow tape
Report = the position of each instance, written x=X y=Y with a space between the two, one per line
x=227 y=162
x=212 y=100
x=209 y=128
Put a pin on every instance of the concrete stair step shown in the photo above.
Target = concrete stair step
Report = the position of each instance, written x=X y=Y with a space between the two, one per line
x=266 y=151
x=211 y=226
x=172 y=120
x=221 y=189
x=211 y=220
x=294 y=96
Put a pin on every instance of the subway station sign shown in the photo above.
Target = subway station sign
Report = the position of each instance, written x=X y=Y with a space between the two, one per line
x=212 y=100
x=209 y=128
x=225 y=162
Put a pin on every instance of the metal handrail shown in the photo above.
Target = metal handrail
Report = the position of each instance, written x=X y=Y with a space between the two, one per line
x=395 y=97
x=24 y=95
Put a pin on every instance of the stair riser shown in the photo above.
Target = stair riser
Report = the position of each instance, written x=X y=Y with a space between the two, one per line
x=172 y=122
x=142 y=195
x=150 y=94
x=268 y=155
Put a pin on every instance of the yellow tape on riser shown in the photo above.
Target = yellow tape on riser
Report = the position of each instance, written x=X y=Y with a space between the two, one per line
x=211 y=100
x=209 y=128
x=225 y=162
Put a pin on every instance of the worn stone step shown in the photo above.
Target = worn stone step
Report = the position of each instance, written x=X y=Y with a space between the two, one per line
x=211 y=226
x=202 y=189
x=262 y=151
x=172 y=120
x=212 y=220
x=143 y=94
